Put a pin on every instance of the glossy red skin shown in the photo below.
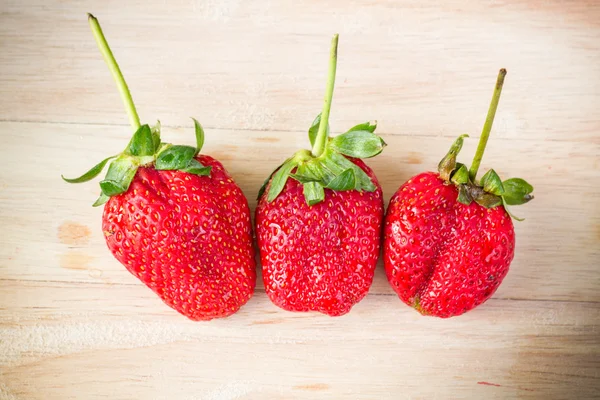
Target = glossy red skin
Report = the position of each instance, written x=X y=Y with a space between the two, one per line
x=187 y=237
x=443 y=257
x=319 y=258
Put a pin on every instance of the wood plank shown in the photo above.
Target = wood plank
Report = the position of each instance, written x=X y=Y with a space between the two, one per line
x=557 y=257
x=54 y=334
x=420 y=69
x=74 y=324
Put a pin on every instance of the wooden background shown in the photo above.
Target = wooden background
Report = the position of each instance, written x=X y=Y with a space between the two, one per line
x=75 y=325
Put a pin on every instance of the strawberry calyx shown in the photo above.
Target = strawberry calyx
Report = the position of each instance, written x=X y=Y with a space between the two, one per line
x=145 y=147
x=326 y=166
x=490 y=191
x=330 y=170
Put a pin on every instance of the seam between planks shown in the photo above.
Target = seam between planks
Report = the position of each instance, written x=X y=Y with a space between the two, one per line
x=525 y=139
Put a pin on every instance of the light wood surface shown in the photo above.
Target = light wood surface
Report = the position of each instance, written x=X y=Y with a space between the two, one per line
x=74 y=324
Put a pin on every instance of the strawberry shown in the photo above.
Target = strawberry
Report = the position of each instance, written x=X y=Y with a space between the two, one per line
x=448 y=238
x=319 y=232
x=174 y=218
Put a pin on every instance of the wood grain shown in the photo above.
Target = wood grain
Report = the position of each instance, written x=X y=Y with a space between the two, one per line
x=548 y=266
x=114 y=341
x=419 y=69
x=75 y=325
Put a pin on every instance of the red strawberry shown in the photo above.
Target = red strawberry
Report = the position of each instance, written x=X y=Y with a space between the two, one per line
x=319 y=232
x=320 y=257
x=442 y=256
x=449 y=240
x=176 y=219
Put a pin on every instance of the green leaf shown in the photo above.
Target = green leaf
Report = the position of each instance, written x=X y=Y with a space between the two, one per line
x=142 y=143
x=331 y=171
x=156 y=136
x=365 y=126
x=119 y=176
x=314 y=129
x=345 y=181
x=162 y=147
x=175 y=157
x=307 y=172
x=313 y=193
x=492 y=183
x=280 y=178
x=517 y=191
x=363 y=181
x=488 y=200
x=314 y=168
x=338 y=164
x=304 y=178
x=464 y=196
x=513 y=216
x=359 y=144
x=101 y=200
x=91 y=174
x=196 y=168
x=262 y=189
x=199 y=135
x=331 y=165
x=461 y=175
x=448 y=163
x=112 y=188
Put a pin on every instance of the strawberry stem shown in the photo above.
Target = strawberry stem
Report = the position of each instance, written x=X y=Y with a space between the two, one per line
x=321 y=139
x=487 y=127
x=115 y=71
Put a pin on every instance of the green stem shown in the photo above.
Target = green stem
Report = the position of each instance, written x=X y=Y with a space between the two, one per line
x=487 y=127
x=321 y=139
x=115 y=71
